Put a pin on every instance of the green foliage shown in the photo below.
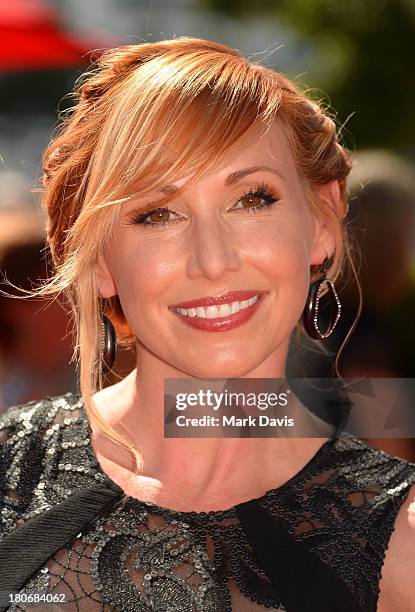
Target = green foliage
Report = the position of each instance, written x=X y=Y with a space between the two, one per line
x=364 y=59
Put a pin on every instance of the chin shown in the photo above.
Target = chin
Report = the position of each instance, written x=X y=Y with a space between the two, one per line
x=221 y=371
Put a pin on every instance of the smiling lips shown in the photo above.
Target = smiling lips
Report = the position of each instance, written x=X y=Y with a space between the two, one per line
x=222 y=313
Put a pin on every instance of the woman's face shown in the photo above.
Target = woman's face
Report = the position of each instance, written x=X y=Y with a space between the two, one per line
x=216 y=239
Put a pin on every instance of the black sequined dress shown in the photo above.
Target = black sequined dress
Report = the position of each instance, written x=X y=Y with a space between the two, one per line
x=67 y=530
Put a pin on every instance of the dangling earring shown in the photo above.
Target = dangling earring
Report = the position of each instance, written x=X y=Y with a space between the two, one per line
x=109 y=339
x=310 y=313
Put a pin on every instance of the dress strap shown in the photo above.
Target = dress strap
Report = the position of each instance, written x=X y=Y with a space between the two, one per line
x=300 y=578
x=26 y=550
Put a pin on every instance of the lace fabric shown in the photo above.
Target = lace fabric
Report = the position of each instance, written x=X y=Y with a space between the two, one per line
x=136 y=555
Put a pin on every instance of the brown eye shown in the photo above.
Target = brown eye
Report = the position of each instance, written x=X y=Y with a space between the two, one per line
x=159 y=216
x=257 y=199
x=254 y=200
x=154 y=218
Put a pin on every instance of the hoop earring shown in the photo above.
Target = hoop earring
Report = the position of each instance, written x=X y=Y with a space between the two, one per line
x=109 y=340
x=310 y=313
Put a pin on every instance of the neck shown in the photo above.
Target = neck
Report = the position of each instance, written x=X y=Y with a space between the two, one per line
x=194 y=472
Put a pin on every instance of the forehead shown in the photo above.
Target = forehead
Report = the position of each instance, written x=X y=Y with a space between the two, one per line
x=267 y=149
x=263 y=147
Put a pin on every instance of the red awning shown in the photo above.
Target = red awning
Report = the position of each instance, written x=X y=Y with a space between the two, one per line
x=31 y=38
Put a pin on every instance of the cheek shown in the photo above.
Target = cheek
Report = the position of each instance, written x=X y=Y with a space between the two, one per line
x=281 y=249
x=282 y=258
x=141 y=274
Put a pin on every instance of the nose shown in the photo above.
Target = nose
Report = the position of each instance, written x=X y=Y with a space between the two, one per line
x=213 y=251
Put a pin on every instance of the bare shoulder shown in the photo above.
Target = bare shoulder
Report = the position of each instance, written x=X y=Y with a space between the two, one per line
x=397 y=584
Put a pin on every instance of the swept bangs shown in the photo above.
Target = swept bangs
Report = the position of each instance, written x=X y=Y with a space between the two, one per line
x=175 y=118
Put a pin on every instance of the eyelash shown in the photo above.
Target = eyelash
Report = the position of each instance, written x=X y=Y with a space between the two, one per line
x=263 y=191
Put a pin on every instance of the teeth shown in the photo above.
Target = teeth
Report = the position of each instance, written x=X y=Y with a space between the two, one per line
x=212 y=312
x=224 y=310
x=217 y=312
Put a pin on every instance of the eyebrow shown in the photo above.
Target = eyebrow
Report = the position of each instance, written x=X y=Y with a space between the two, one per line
x=233 y=178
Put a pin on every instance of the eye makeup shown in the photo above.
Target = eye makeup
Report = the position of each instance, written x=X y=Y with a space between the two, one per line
x=263 y=192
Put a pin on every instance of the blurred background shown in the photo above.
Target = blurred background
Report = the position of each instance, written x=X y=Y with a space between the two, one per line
x=357 y=56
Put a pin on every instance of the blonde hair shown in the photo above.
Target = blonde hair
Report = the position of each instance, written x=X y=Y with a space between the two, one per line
x=144 y=116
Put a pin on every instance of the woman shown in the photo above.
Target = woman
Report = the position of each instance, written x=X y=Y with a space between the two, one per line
x=186 y=172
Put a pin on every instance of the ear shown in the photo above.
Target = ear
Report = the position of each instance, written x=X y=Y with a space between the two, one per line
x=105 y=282
x=324 y=242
